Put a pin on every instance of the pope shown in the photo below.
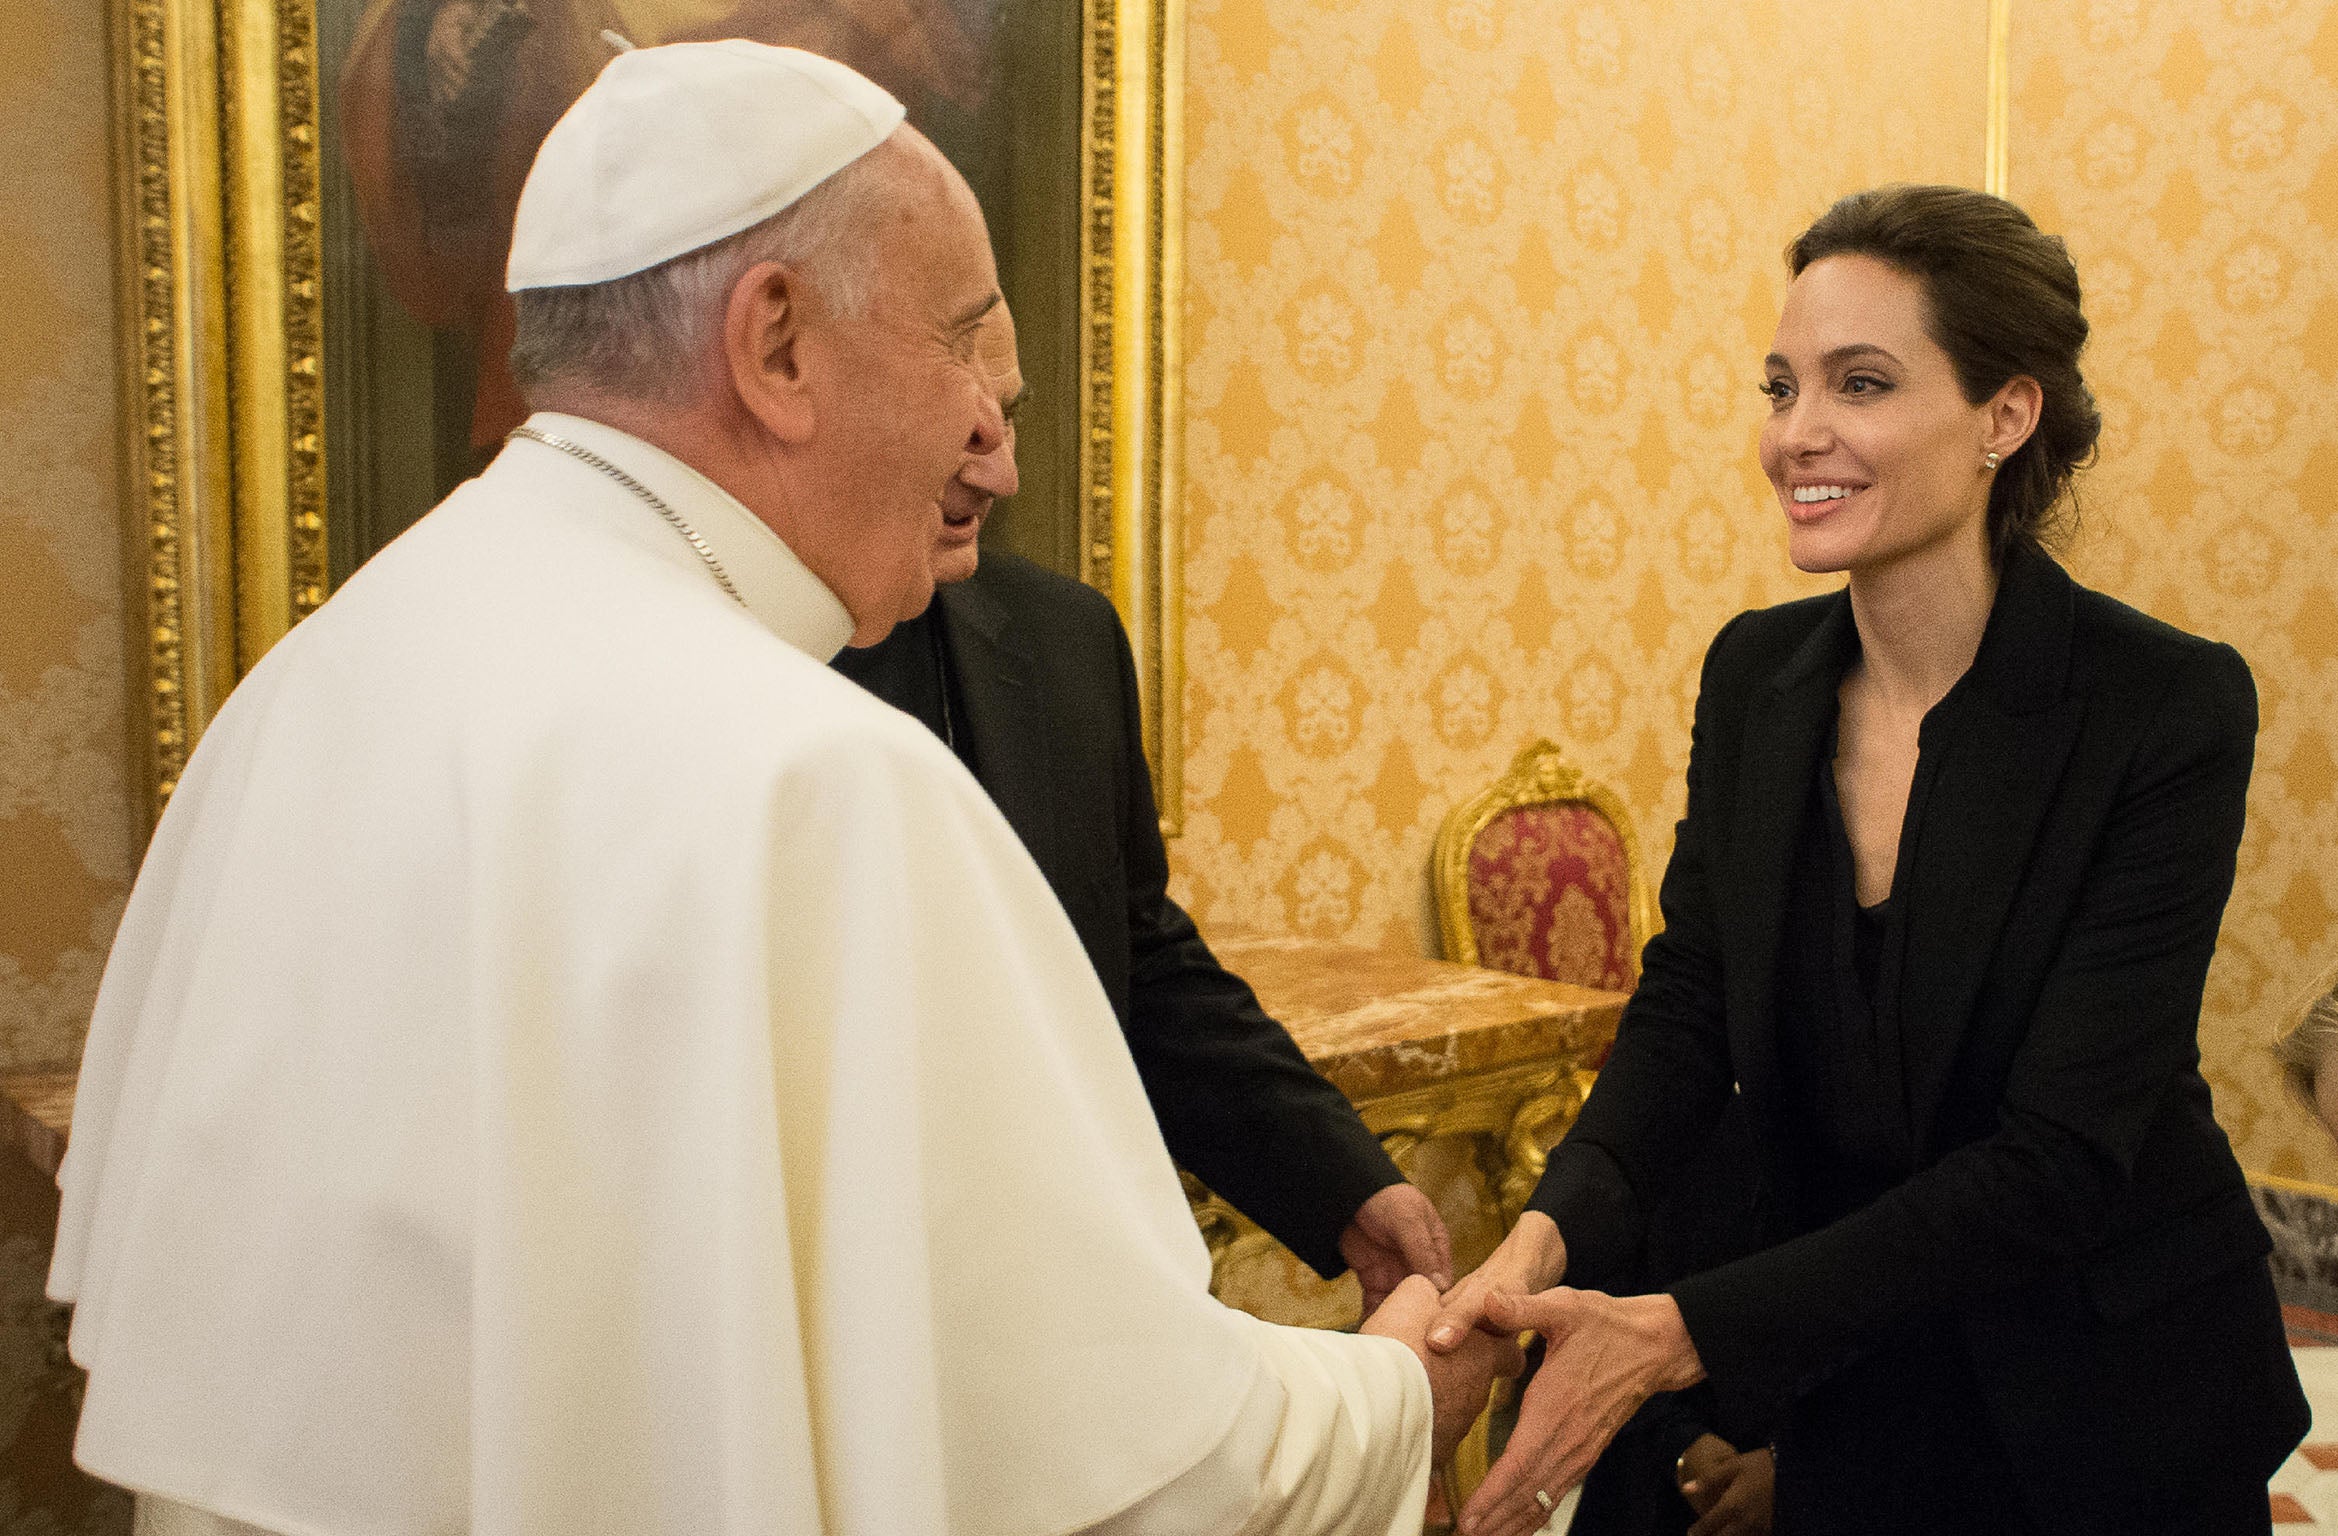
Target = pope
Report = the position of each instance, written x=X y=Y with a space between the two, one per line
x=574 y=1063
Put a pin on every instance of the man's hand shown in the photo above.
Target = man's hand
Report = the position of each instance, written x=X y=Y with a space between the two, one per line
x=1459 y=1380
x=1396 y=1233
x=1531 y=1258
x=1731 y=1491
x=1603 y=1357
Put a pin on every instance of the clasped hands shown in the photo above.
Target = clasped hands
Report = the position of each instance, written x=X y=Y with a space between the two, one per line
x=1603 y=1356
x=1398 y=1247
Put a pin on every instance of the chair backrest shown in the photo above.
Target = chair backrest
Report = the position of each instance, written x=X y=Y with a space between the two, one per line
x=1540 y=874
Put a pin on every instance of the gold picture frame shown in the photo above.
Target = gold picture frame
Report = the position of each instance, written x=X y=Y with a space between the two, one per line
x=223 y=302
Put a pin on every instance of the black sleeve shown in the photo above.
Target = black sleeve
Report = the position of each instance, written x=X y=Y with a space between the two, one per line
x=1674 y=1421
x=2112 y=1033
x=1666 y=1081
x=1238 y=1104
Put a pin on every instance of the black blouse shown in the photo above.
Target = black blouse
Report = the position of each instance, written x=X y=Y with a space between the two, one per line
x=1839 y=1040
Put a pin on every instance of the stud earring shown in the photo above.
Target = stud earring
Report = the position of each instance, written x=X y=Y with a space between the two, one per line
x=1989 y=459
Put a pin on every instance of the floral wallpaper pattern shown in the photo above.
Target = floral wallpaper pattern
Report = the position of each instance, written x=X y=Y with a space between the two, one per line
x=67 y=848
x=1476 y=299
x=67 y=818
x=2189 y=152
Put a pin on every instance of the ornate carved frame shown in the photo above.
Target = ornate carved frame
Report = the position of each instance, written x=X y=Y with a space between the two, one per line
x=218 y=144
x=1538 y=775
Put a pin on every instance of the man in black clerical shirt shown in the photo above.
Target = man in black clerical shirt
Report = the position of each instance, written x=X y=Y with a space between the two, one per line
x=1028 y=676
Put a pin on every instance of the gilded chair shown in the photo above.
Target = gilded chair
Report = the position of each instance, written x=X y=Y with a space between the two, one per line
x=1540 y=874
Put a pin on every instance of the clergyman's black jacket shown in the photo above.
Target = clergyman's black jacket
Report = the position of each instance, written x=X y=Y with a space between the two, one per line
x=1048 y=687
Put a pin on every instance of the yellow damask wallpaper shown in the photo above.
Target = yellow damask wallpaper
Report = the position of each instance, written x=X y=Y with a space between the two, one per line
x=66 y=810
x=1476 y=291
x=2189 y=152
x=1477 y=295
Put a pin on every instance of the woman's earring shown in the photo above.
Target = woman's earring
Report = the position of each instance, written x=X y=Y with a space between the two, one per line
x=1989 y=459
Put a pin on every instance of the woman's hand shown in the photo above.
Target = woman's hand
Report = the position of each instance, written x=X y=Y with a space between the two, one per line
x=1603 y=1357
x=1731 y=1491
x=1531 y=1258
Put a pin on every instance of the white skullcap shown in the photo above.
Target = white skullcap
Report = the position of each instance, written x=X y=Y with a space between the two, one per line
x=673 y=148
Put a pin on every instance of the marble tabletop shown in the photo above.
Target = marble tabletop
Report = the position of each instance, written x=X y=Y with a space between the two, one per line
x=1373 y=1021
x=1378 y=1021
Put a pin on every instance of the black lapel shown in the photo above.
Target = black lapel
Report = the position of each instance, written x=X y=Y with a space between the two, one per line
x=1000 y=683
x=1785 y=731
x=1999 y=742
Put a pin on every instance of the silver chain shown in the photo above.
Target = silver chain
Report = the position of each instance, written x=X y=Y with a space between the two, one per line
x=585 y=455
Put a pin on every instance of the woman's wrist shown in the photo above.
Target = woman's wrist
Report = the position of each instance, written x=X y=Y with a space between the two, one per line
x=1539 y=1253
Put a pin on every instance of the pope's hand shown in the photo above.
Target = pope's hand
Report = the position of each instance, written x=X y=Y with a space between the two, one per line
x=1531 y=1258
x=1603 y=1356
x=1396 y=1233
x=1460 y=1379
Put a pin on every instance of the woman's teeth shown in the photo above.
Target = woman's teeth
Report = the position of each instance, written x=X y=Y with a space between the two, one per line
x=1821 y=492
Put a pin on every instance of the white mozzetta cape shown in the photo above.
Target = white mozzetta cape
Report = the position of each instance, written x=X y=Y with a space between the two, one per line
x=572 y=1063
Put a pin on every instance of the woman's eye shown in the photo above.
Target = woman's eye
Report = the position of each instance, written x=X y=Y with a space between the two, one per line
x=1864 y=384
x=1778 y=390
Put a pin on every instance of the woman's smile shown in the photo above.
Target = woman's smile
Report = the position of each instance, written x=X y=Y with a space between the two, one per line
x=1809 y=503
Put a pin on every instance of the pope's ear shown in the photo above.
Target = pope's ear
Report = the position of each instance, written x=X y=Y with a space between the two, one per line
x=764 y=352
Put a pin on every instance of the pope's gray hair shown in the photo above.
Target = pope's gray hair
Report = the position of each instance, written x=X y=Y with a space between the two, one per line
x=640 y=337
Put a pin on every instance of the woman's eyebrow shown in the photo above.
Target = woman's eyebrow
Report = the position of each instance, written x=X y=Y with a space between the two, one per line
x=1857 y=349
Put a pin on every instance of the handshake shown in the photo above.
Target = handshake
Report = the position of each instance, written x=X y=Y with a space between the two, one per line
x=1604 y=1356
x=1402 y=1257
x=1460 y=1378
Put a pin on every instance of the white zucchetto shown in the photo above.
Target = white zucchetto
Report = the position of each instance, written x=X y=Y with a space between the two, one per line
x=676 y=147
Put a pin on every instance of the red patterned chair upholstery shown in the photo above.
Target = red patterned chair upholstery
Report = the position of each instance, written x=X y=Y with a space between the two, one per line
x=1540 y=874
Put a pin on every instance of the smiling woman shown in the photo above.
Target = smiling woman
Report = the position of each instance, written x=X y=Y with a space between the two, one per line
x=1870 y=439
x=1999 y=303
x=1939 y=916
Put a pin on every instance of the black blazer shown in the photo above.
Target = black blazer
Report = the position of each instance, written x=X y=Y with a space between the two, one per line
x=1043 y=670
x=2072 y=835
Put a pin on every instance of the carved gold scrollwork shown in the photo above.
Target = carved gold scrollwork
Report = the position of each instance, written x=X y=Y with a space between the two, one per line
x=1509 y=1115
x=182 y=589
x=155 y=349
x=1523 y=1155
x=302 y=308
x=1131 y=385
x=1534 y=1127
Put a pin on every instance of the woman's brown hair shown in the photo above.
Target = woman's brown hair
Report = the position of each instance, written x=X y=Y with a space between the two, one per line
x=2002 y=301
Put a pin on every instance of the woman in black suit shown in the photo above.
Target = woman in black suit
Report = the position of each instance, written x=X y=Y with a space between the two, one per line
x=1940 y=911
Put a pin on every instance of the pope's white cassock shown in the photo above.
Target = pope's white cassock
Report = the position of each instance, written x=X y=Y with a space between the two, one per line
x=572 y=1063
